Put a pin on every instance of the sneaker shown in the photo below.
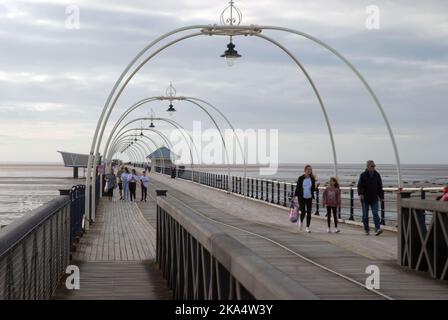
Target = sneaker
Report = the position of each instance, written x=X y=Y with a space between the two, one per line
x=367 y=232
x=300 y=225
x=378 y=232
x=328 y=230
x=337 y=230
x=307 y=230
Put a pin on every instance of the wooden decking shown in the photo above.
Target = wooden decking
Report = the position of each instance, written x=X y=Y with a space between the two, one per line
x=120 y=233
x=116 y=256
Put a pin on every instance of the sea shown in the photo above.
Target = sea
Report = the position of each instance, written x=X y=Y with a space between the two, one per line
x=26 y=186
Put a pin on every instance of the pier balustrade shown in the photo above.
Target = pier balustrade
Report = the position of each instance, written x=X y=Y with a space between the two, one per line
x=35 y=249
x=200 y=261
x=423 y=236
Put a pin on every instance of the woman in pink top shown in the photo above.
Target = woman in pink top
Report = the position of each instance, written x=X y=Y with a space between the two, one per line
x=332 y=200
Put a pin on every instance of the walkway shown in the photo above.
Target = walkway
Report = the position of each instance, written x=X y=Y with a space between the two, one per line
x=332 y=266
x=116 y=256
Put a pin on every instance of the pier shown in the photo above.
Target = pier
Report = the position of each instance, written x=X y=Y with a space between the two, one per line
x=191 y=241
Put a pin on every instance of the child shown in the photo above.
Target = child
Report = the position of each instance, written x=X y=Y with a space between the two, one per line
x=332 y=200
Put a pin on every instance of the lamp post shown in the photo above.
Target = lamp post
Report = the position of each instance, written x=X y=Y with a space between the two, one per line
x=231 y=29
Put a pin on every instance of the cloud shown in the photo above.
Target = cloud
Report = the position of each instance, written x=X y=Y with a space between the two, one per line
x=60 y=78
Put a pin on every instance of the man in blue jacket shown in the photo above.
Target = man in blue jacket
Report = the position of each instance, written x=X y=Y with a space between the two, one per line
x=370 y=191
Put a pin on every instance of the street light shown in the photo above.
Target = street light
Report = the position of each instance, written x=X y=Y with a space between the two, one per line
x=171 y=94
x=234 y=18
x=231 y=54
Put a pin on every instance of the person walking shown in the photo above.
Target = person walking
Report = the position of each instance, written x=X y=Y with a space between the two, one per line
x=133 y=184
x=111 y=180
x=305 y=189
x=144 y=180
x=119 y=182
x=332 y=201
x=444 y=196
x=124 y=178
x=370 y=191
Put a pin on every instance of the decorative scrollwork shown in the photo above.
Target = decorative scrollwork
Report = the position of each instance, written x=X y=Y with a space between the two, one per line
x=171 y=91
x=231 y=15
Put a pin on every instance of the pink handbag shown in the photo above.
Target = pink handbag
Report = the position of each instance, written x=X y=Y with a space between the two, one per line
x=293 y=212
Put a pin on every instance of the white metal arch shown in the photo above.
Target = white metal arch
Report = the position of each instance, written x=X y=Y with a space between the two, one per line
x=211 y=30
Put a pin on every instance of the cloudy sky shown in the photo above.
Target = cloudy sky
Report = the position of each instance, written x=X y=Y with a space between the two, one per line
x=54 y=80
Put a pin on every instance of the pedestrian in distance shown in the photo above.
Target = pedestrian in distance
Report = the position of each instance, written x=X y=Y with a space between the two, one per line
x=370 y=191
x=111 y=181
x=119 y=182
x=144 y=181
x=305 y=189
x=332 y=201
x=124 y=178
x=133 y=178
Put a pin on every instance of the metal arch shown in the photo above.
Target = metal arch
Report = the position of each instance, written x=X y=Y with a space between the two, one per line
x=147 y=137
x=140 y=151
x=364 y=82
x=120 y=144
x=316 y=92
x=149 y=148
x=152 y=141
x=234 y=133
x=129 y=110
x=120 y=133
x=161 y=135
x=188 y=99
x=164 y=138
x=96 y=142
x=210 y=30
x=127 y=140
x=172 y=122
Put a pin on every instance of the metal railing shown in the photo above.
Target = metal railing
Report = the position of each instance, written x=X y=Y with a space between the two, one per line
x=423 y=236
x=34 y=252
x=280 y=193
x=200 y=261
x=35 y=249
x=77 y=206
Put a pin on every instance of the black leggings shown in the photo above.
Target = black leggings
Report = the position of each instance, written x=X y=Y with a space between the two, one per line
x=335 y=216
x=144 y=192
x=308 y=204
x=132 y=187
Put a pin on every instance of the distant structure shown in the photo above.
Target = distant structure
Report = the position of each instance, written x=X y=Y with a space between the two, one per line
x=162 y=157
x=75 y=161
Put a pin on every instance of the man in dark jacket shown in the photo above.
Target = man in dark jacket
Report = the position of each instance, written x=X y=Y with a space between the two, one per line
x=370 y=191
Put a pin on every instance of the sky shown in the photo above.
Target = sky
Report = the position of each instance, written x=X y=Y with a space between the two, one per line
x=55 y=79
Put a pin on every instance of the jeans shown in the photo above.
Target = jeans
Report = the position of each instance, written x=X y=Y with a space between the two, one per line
x=132 y=188
x=125 y=190
x=144 y=192
x=365 y=215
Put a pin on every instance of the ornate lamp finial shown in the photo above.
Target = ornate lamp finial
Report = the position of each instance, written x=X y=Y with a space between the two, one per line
x=231 y=15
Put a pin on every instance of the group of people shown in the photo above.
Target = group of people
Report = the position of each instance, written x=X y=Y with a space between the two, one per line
x=370 y=191
x=127 y=181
